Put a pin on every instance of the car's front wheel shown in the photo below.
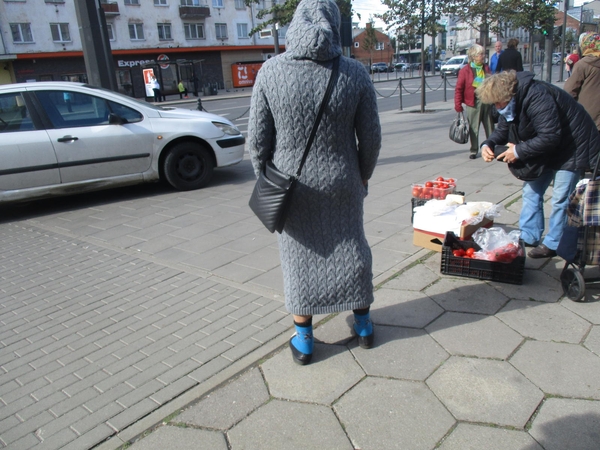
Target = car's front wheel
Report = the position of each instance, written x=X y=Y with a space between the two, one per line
x=188 y=166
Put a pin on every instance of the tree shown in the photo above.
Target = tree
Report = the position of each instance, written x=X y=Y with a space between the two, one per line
x=282 y=13
x=535 y=16
x=481 y=15
x=370 y=41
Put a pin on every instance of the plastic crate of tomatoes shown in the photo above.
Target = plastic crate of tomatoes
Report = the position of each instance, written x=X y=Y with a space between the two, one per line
x=437 y=189
x=464 y=266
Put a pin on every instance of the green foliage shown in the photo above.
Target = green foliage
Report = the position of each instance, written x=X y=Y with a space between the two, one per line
x=415 y=17
x=282 y=13
x=533 y=15
x=370 y=41
x=482 y=15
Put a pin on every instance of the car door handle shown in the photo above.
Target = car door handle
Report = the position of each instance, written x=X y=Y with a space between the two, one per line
x=68 y=138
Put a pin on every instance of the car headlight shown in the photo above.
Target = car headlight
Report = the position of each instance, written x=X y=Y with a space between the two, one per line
x=227 y=129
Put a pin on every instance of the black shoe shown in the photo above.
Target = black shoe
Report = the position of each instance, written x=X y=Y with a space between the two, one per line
x=299 y=357
x=366 y=341
x=473 y=156
x=541 y=251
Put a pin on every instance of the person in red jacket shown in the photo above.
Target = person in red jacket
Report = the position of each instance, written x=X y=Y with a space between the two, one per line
x=469 y=78
x=570 y=61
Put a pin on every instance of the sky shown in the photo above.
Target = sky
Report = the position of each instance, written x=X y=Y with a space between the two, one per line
x=367 y=8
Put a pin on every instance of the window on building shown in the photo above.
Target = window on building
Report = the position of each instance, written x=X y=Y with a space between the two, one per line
x=221 y=30
x=110 y=31
x=193 y=3
x=242 y=31
x=21 y=32
x=60 y=32
x=380 y=46
x=217 y=3
x=53 y=1
x=132 y=2
x=164 y=31
x=136 y=31
x=260 y=4
x=356 y=44
x=193 y=30
x=160 y=2
x=239 y=4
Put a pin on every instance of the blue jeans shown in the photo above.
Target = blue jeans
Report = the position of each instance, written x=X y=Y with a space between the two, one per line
x=531 y=221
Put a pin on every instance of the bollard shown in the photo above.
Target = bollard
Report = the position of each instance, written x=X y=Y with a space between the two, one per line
x=445 y=84
x=400 y=92
x=200 y=108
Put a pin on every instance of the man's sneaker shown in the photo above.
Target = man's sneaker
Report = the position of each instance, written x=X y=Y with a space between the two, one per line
x=541 y=251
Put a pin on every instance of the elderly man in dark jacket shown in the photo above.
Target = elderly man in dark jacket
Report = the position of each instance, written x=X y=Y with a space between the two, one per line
x=553 y=133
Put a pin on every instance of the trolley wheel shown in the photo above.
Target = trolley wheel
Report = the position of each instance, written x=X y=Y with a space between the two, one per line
x=573 y=284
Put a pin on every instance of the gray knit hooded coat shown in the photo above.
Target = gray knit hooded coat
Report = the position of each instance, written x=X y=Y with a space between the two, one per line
x=325 y=257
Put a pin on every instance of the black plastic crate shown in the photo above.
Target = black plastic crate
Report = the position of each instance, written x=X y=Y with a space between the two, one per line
x=414 y=202
x=477 y=268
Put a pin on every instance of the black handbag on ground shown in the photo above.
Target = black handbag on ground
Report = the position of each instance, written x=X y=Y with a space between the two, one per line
x=272 y=193
x=523 y=170
x=459 y=129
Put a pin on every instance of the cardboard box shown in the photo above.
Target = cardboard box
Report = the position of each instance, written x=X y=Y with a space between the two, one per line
x=434 y=241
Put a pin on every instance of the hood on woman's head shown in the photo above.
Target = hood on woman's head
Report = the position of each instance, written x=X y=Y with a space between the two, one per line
x=589 y=43
x=314 y=32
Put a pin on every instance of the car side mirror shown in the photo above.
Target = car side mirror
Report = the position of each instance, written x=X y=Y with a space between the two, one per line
x=114 y=119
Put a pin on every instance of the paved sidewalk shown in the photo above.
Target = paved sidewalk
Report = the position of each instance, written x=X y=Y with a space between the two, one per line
x=158 y=319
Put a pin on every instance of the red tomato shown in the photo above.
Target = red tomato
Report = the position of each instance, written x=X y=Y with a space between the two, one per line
x=450 y=180
x=439 y=179
x=428 y=184
x=444 y=185
x=435 y=185
x=459 y=253
x=469 y=252
x=427 y=193
x=417 y=191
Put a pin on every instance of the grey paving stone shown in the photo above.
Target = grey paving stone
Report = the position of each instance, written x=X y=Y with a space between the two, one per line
x=545 y=322
x=336 y=330
x=485 y=391
x=416 y=278
x=175 y=438
x=568 y=423
x=229 y=404
x=332 y=372
x=380 y=413
x=280 y=425
x=400 y=353
x=559 y=369
x=467 y=436
x=474 y=335
x=530 y=289
x=592 y=341
x=589 y=310
x=403 y=308
x=466 y=295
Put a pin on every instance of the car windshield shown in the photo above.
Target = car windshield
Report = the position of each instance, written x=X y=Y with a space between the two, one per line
x=455 y=60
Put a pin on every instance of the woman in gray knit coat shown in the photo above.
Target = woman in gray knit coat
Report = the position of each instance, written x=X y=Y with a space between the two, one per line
x=325 y=257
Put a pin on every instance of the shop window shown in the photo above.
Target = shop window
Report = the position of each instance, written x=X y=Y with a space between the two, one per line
x=193 y=30
x=164 y=31
x=60 y=32
x=136 y=31
x=221 y=30
x=242 y=31
x=21 y=33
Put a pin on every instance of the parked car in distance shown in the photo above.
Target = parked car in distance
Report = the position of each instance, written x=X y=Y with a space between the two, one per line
x=380 y=67
x=61 y=138
x=438 y=65
x=556 y=57
x=453 y=65
x=402 y=67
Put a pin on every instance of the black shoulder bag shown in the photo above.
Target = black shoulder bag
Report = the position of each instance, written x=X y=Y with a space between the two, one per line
x=272 y=193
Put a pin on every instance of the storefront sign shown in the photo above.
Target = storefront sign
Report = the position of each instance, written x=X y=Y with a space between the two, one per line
x=163 y=57
x=140 y=62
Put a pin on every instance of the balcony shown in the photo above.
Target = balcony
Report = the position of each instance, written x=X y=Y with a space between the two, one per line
x=110 y=8
x=194 y=12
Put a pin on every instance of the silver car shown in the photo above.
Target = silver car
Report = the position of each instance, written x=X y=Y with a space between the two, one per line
x=59 y=138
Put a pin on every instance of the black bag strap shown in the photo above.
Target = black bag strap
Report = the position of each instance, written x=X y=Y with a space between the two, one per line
x=334 y=70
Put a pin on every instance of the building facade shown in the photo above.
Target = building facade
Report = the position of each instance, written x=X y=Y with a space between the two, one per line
x=206 y=41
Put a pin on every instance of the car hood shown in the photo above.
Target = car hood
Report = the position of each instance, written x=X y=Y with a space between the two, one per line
x=179 y=113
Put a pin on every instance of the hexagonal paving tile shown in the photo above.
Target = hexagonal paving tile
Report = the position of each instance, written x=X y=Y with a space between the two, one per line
x=403 y=308
x=543 y=321
x=384 y=414
x=337 y=330
x=480 y=390
x=474 y=335
x=589 y=310
x=564 y=423
x=247 y=392
x=468 y=436
x=416 y=278
x=567 y=370
x=466 y=295
x=530 y=289
x=332 y=372
x=169 y=437
x=280 y=425
x=400 y=353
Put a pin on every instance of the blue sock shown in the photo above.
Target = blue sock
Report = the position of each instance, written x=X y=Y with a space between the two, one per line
x=303 y=341
x=362 y=324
